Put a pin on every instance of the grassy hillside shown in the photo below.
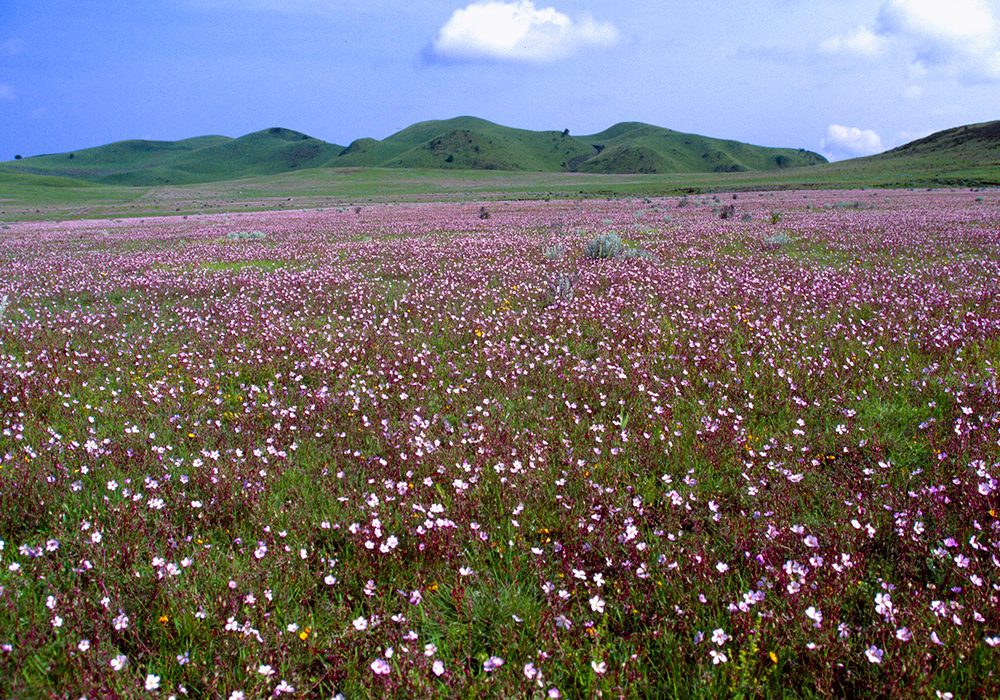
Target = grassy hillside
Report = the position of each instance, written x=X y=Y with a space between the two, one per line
x=191 y=161
x=641 y=148
x=964 y=155
x=281 y=168
x=463 y=143
x=467 y=143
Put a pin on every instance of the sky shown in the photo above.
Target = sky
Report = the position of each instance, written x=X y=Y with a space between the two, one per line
x=841 y=77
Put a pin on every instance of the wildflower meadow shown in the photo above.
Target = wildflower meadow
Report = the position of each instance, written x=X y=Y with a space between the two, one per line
x=749 y=450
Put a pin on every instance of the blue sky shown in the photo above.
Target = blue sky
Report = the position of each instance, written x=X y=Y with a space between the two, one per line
x=841 y=77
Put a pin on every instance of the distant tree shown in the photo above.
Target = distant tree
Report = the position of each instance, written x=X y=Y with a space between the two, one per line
x=17 y=157
x=565 y=132
x=71 y=156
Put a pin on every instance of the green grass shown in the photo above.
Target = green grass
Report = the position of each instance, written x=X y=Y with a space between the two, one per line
x=278 y=168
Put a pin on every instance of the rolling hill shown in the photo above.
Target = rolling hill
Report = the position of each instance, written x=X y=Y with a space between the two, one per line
x=467 y=143
x=196 y=160
x=463 y=143
x=964 y=156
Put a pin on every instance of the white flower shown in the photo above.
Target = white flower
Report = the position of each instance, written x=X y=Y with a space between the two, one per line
x=719 y=636
x=599 y=667
x=718 y=657
x=903 y=634
x=722 y=567
x=874 y=654
x=814 y=615
x=284 y=687
x=430 y=649
x=597 y=604
x=380 y=667
x=118 y=663
x=237 y=695
x=152 y=682
x=84 y=645
x=530 y=671
x=360 y=624
x=438 y=667
x=265 y=670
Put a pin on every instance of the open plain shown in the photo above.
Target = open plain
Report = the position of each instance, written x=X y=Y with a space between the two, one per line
x=439 y=450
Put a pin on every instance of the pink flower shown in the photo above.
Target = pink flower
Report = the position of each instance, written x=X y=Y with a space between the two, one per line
x=874 y=654
x=492 y=664
x=380 y=667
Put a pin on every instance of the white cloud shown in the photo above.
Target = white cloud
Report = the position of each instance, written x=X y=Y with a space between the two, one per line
x=850 y=142
x=913 y=92
x=7 y=93
x=517 y=31
x=958 y=39
x=940 y=25
x=863 y=43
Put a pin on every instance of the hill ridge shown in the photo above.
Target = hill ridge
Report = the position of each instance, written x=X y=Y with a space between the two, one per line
x=459 y=143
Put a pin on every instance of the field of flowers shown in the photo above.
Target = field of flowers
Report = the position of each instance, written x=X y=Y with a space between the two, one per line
x=435 y=450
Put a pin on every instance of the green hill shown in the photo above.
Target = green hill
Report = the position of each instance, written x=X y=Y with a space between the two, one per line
x=967 y=156
x=467 y=143
x=463 y=143
x=641 y=148
x=196 y=160
x=963 y=155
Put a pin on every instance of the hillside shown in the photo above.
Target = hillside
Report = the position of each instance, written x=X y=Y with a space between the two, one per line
x=467 y=143
x=965 y=155
x=463 y=143
x=641 y=148
x=191 y=161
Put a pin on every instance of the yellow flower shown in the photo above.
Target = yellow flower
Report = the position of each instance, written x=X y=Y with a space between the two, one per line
x=304 y=634
x=774 y=657
x=163 y=619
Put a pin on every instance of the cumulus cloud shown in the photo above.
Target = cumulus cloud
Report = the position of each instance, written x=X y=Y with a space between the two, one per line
x=959 y=38
x=7 y=93
x=850 y=142
x=516 y=31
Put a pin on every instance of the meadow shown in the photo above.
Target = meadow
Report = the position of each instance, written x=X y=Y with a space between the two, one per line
x=438 y=450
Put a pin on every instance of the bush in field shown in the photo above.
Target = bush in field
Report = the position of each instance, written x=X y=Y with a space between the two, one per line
x=778 y=240
x=610 y=246
x=555 y=252
x=245 y=236
x=562 y=288
x=605 y=247
x=635 y=253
